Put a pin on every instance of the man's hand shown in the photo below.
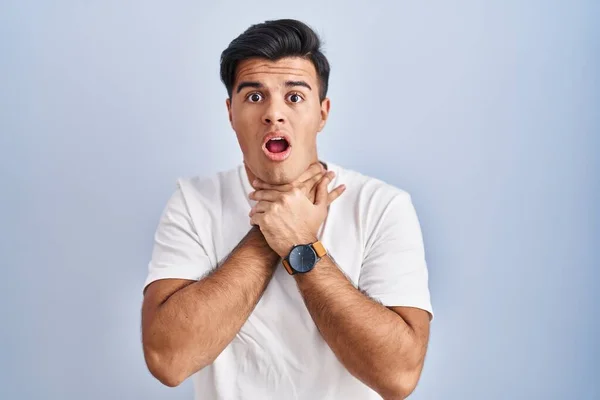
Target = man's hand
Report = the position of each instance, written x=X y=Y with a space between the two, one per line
x=285 y=214
x=306 y=182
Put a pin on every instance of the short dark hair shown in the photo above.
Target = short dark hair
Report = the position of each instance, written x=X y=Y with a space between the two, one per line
x=274 y=40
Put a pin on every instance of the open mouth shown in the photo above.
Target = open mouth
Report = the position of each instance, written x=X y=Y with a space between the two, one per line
x=277 y=147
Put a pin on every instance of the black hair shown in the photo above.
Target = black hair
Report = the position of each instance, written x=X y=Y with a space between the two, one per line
x=274 y=40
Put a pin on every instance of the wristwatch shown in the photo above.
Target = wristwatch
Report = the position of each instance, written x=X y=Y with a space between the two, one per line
x=303 y=257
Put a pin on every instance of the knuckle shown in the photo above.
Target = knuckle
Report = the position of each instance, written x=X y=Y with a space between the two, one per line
x=285 y=199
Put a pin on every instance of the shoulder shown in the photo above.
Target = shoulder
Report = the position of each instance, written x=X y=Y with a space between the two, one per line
x=368 y=191
x=209 y=189
x=381 y=213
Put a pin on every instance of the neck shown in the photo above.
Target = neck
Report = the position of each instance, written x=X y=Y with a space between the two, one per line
x=252 y=177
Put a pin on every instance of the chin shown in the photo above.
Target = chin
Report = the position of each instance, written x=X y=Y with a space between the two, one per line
x=278 y=175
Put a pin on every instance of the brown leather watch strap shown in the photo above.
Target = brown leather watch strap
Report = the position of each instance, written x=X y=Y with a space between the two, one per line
x=319 y=249
x=287 y=267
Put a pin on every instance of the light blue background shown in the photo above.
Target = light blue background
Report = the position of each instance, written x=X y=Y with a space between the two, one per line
x=487 y=114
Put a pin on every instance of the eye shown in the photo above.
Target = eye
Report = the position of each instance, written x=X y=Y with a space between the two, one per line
x=254 y=97
x=295 y=98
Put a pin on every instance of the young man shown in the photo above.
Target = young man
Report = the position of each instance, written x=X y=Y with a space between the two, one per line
x=243 y=290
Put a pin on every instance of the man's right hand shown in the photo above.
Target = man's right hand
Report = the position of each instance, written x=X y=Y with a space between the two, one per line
x=308 y=181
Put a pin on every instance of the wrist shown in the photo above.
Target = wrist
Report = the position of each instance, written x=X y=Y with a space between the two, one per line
x=304 y=239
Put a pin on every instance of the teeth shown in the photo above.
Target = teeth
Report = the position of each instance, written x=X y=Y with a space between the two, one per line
x=277 y=138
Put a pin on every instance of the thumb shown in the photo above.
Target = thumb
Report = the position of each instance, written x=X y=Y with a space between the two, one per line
x=321 y=192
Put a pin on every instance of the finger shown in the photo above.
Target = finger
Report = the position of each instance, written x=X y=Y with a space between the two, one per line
x=312 y=194
x=257 y=219
x=315 y=169
x=329 y=175
x=312 y=170
x=260 y=207
x=304 y=181
x=265 y=195
x=309 y=184
x=258 y=184
x=321 y=194
x=335 y=193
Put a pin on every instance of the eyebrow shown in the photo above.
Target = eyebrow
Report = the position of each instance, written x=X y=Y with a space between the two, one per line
x=298 y=83
x=255 y=85
x=258 y=85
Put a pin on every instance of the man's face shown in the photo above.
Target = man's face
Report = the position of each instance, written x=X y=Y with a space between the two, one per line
x=276 y=114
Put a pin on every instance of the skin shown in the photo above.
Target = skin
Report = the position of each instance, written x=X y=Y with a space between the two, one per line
x=382 y=346
x=295 y=110
x=187 y=324
x=183 y=323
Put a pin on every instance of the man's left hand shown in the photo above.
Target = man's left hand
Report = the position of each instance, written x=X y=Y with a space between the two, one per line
x=286 y=217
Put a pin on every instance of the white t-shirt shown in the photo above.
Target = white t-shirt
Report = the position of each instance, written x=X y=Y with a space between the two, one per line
x=372 y=232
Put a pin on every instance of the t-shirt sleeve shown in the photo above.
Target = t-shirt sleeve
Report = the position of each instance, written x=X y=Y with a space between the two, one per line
x=394 y=269
x=177 y=251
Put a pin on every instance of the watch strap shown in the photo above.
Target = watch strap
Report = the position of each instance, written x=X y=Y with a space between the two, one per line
x=317 y=247
x=287 y=266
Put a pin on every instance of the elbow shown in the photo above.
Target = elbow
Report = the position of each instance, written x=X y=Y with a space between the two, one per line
x=164 y=368
x=169 y=380
x=400 y=386
x=398 y=392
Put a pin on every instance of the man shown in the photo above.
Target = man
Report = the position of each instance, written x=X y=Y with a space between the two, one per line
x=243 y=290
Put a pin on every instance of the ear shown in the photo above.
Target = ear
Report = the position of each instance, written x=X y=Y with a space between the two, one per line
x=325 y=105
x=228 y=104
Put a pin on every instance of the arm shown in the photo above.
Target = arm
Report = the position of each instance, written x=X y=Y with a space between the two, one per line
x=186 y=324
x=383 y=347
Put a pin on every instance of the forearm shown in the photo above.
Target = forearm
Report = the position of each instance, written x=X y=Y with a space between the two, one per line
x=371 y=341
x=193 y=326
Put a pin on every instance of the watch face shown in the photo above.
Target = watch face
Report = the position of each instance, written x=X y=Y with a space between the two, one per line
x=302 y=258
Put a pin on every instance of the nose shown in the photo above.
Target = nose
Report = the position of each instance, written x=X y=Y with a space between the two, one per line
x=274 y=113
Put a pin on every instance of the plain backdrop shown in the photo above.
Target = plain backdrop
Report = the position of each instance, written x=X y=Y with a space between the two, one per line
x=487 y=113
